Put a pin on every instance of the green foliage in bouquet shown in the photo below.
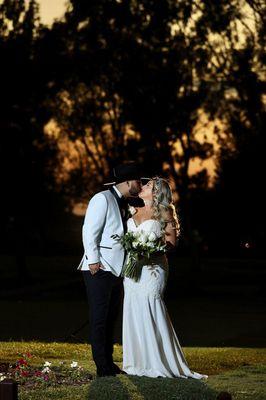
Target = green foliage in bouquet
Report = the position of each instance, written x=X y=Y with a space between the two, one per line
x=141 y=247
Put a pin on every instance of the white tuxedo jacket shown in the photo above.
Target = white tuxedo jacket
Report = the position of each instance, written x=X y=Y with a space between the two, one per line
x=102 y=220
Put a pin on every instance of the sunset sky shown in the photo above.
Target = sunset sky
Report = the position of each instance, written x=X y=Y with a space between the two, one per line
x=51 y=9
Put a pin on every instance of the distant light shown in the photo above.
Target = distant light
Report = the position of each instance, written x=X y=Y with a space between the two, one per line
x=79 y=209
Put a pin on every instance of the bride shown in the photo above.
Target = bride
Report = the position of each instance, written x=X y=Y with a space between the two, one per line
x=150 y=345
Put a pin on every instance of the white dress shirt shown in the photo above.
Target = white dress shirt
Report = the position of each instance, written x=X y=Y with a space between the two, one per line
x=117 y=191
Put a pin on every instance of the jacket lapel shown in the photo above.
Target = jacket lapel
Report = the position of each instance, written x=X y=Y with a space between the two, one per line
x=119 y=201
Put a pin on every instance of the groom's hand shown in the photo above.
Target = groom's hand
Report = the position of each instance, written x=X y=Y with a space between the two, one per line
x=95 y=267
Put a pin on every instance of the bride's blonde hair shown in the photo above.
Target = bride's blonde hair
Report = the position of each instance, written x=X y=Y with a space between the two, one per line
x=163 y=207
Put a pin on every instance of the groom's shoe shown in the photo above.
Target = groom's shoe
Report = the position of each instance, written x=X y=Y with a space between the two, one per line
x=116 y=370
x=105 y=371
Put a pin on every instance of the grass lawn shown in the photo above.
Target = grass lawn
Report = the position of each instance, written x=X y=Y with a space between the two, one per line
x=240 y=371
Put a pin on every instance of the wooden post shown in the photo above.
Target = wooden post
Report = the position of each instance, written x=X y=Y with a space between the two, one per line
x=8 y=390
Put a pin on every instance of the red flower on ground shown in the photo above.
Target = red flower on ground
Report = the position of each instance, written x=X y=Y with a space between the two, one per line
x=25 y=373
x=22 y=361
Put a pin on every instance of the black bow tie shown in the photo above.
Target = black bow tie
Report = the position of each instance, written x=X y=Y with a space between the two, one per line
x=123 y=203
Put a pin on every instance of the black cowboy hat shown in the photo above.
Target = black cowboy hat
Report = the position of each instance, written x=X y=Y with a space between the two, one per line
x=129 y=171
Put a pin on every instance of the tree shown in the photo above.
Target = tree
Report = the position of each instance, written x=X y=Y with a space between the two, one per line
x=132 y=86
x=142 y=73
x=240 y=183
x=21 y=126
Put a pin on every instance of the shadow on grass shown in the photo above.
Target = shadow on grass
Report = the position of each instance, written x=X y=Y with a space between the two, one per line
x=142 y=388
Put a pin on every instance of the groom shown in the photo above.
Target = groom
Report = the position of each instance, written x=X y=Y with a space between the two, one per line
x=103 y=259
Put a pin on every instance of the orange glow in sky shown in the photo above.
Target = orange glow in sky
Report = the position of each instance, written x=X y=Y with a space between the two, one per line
x=51 y=9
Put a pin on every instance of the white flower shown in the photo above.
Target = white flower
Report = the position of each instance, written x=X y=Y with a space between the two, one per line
x=2 y=377
x=135 y=244
x=136 y=235
x=152 y=237
x=150 y=245
x=47 y=364
x=46 y=370
x=143 y=237
x=74 y=364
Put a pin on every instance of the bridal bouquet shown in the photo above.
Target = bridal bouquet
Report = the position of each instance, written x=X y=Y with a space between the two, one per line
x=140 y=246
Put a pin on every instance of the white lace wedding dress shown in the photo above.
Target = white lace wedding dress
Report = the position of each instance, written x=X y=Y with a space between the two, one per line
x=150 y=345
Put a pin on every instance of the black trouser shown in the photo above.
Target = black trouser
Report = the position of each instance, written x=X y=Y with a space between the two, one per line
x=104 y=291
